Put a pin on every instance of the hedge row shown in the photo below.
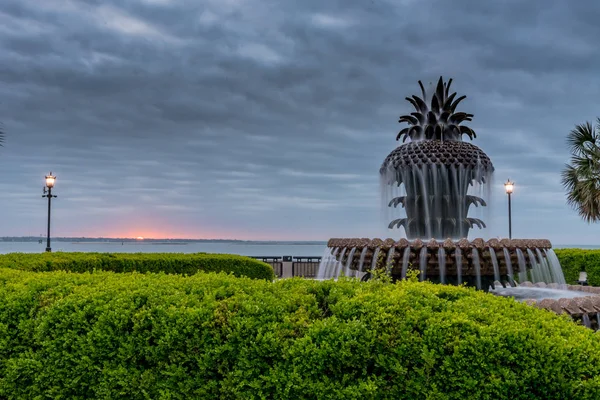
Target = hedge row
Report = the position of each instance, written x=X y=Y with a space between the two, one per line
x=209 y=336
x=171 y=263
x=574 y=261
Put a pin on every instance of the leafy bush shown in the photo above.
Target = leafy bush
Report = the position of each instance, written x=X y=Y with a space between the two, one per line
x=157 y=336
x=171 y=263
x=573 y=261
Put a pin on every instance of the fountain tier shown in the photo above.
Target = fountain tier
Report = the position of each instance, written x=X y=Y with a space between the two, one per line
x=436 y=178
x=477 y=263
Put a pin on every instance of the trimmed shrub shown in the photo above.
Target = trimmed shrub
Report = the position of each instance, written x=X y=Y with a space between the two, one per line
x=573 y=261
x=170 y=263
x=157 y=336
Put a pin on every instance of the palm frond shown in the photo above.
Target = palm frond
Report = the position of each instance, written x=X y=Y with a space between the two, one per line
x=581 y=178
x=583 y=138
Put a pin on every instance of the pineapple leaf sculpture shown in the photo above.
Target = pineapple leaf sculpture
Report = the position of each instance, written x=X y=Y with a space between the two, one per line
x=437 y=121
x=436 y=168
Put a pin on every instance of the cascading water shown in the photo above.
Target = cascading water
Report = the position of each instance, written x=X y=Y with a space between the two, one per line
x=348 y=265
x=423 y=263
x=544 y=269
x=586 y=321
x=508 y=262
x=557 y=273
x=535 y=269
x=477 y=265
x=327 y=262
x=495 y=264
x=405 y=259
x=438 y=197
x=361 y=261
x=458 y=260
x=375 y=259
x=390 y=257
x=338 y=266
x=522 y=266
x=442 y=264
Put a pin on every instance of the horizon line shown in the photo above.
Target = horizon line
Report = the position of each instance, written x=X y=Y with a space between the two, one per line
x=151 y=238
x=140 y=239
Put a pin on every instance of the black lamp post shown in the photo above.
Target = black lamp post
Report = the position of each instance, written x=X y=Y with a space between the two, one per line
x=49 y=185
x=509 y=186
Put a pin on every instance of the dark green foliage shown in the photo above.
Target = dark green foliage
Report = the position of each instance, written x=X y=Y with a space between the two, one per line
x=581 y=178
x=208 y=336
x=574 y=261
x=170 y=263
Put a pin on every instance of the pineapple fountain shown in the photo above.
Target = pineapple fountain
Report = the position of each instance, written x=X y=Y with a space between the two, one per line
x=437 y=178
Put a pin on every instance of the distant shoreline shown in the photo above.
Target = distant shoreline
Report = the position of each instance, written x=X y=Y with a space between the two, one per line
x=76 y=240
x=127 y=242
x=182 y=242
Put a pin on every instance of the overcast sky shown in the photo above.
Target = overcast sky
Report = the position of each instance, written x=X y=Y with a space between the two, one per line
x=269 y=119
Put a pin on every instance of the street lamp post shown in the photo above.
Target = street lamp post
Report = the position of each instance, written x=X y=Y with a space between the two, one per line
x=49 y=185
x=509 y=186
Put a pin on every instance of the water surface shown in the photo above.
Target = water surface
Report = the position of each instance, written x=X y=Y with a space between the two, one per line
x=523 y=293
x=255 y=249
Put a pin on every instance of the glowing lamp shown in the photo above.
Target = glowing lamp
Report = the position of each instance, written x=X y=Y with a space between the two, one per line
x=50 y=180
x=509 y=186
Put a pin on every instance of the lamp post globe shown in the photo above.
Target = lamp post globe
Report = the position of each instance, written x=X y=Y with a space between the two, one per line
x=509 y=186
x=50 y=180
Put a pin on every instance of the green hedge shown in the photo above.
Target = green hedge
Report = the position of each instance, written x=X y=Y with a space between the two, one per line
x=574 y=261
x=171 y=263
x=211 y=336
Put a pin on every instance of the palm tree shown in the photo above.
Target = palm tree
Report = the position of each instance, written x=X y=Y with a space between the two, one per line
x=581 y=178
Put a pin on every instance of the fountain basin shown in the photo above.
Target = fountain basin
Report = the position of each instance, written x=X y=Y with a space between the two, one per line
x=581 y=303
x=537 y=294
x=476 y=263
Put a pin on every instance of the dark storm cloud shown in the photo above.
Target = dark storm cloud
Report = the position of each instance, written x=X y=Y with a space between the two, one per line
x=249 y=117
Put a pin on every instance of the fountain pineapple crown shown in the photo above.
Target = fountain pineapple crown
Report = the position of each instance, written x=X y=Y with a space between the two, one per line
x=439 y=120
